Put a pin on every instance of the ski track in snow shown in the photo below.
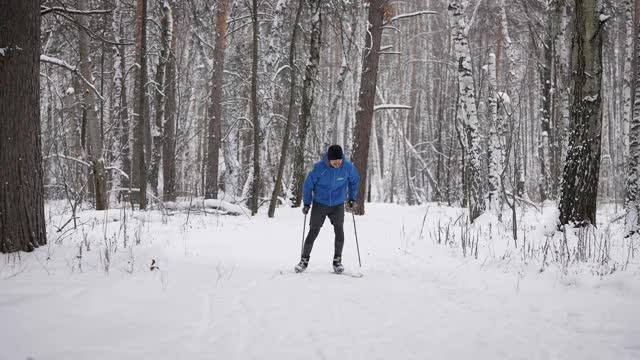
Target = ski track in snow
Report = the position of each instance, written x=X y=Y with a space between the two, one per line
x=220 y=294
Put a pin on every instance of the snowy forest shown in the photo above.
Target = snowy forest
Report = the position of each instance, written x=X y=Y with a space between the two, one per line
x=466 y=103
x=512 y=126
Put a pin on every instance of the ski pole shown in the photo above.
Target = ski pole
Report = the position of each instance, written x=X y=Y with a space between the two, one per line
x=356 y=232
x=304 y=229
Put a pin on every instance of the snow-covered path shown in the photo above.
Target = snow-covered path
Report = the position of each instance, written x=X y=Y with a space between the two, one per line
x=220 y=294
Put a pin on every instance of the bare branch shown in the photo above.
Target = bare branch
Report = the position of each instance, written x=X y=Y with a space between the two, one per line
x=58 y=9
x=73 y=69
x=417 y=13
x=391 y=107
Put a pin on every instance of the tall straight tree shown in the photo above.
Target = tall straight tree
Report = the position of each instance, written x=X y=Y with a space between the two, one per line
x=93 y=147
x=582 y=167
x=632 y=225
x=308 y=91
x=628 y=7
x=467 y=109
x=562 y=57
x=22 y=226
x=292 y=109
x=160 y=92
x=139 y=166
x=378 y=9
x=495 y=148
x=169 y=143
x=122 y=107
x=255 y=183
x=215 y=108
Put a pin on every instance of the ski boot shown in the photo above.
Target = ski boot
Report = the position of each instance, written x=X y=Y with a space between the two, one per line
x=337 y=265
x=302 y=265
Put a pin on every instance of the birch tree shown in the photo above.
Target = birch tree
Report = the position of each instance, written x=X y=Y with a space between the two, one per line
x=562 y=57
x=627 y=92
x=169 y=137
x=581 y=171
x=256 y=179
x=160 y=98
x=467 y=110
x=495 y=148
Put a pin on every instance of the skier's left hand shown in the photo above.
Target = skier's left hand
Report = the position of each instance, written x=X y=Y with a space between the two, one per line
x=351 y=205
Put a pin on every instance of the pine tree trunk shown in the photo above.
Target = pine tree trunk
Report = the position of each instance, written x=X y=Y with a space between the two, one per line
x=366 y=98
x=170 y=118
x=308 y=92
x=467 y=112
x=581 y=171
x=215 y=109
x=292 y=109
x=139 y=166
x=22 y=225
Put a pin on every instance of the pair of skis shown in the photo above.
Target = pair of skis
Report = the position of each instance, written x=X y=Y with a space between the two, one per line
x=345 y=273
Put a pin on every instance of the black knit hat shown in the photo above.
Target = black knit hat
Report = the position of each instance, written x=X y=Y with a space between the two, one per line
x=334 y=152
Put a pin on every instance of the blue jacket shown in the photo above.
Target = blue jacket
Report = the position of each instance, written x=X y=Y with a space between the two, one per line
x=328 y=185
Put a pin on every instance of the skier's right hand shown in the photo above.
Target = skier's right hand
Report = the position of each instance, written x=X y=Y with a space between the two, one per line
x=305 y=209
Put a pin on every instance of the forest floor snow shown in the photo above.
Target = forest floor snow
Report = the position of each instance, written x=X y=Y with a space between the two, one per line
x=223 y=288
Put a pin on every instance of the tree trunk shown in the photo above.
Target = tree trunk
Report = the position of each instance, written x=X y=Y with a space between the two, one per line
x=627 y=76
x=139 y=166
x=308 y=93
x=93 y=146
x=170 y=118
x=632 y=221
x=546 y=139
x=467 y=111
x=562 y=57
x=495 y=147
x=581 y=171
x=215 y=112
x=292 y=108
x=256 y=182
x=160 y=87
x=22 y=225
x=123 y=107
x=366 y=98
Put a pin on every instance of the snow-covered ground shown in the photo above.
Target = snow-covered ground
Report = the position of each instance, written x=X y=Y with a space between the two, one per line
x=224 y=289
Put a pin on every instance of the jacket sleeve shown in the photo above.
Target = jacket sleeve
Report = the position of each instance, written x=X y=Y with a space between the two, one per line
x=307 y=188
x=354 y=180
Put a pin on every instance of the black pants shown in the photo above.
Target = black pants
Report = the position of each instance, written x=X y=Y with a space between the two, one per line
x=318 y=213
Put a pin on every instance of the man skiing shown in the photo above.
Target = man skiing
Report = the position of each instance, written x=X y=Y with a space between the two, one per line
x=326 y=188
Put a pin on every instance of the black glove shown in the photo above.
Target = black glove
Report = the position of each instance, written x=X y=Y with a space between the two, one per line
x=351 y=204
x=305 y=209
